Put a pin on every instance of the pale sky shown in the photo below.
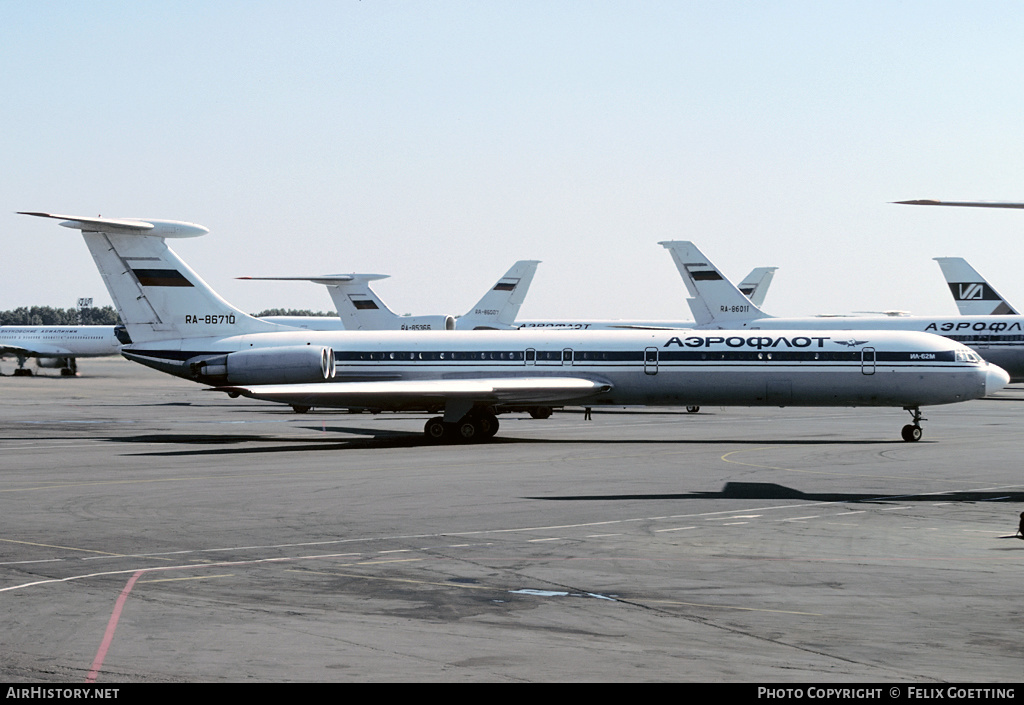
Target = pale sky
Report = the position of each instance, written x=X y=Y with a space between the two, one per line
x=439 y=141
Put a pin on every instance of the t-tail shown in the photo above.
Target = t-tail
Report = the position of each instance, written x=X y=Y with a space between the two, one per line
x=157 y=295
x=714 y=300
x=359 y=307
x=973 y=295
x=499 y=307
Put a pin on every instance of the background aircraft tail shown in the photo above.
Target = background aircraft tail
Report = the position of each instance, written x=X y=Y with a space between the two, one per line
x=156 y=294
x=499 y=307
x=756 y=284
x=973 y=295
x=359 y=307
x=714 y=300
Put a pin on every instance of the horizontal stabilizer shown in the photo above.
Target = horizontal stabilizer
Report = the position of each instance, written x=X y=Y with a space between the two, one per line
x=969 y=204
x=325 y=279
x=126 y=226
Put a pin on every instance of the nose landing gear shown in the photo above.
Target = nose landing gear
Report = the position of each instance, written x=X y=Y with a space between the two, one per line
x=912 y=431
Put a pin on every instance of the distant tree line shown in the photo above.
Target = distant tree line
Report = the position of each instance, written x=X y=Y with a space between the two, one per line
x=49 y=316
x=292 y=312
x=105 y=316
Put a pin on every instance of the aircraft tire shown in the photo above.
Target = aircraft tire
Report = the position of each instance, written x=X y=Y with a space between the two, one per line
x=435 y=430
x=692 y=409
x=488 y=425
x=469 y=430
x=911 y=433
x=22 y=372
x=300 y=409
x=540 y=412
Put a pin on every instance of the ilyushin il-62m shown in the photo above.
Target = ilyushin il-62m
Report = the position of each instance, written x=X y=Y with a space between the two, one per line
x=180 y=326
x=717 y=303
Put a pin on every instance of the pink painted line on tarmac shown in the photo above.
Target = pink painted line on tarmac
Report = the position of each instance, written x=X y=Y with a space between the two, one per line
x=108 y=636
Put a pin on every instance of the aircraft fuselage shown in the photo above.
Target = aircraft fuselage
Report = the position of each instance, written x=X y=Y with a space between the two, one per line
x=783 y=368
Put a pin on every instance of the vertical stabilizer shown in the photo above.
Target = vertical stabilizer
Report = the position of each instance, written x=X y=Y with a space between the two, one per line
x=973 y=295
x=756 y=284
x=499 y=307
x=714 y=300
x=358 y=306
x=157 y=295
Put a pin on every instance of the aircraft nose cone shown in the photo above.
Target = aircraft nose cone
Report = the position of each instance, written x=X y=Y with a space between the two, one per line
x=995 y=379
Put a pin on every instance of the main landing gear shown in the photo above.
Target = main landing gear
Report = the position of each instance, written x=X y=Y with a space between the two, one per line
x=912 y=431
x=474 y=426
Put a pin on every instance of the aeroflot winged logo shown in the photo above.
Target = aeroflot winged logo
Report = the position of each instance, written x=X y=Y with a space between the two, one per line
x=758 y=342
x=972 y=291
x=851 y=343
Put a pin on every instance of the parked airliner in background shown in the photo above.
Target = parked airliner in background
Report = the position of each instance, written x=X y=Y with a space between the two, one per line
x=359 y=307
x=754 y=287
x=717 y=303
x=973 y=295
x=58 y=347
x=180 y=326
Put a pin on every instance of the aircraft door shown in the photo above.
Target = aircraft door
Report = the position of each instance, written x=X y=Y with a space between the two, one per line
x=867 y=361
x=651 y=361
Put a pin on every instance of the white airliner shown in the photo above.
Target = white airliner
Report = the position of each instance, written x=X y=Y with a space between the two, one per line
x=58 y=347
x=180 y=326
x=973 y=295
x=754 y=287
x=359 y=307
x=717 y=303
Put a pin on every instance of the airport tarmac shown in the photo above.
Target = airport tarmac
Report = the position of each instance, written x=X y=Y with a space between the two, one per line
x=153 y=531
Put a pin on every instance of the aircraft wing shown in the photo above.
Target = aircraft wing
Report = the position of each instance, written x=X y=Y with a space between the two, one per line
x=14 y=350
x=420 y=394
x=35 y=351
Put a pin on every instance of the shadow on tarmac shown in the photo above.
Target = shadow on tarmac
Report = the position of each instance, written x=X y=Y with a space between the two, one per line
x=770 y=490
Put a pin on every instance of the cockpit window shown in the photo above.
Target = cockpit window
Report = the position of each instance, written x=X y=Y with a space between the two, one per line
x=967 y=356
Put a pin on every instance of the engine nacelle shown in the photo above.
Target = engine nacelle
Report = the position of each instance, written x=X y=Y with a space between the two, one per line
x=425 y=323
x=53 y=362
x=293 y=364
